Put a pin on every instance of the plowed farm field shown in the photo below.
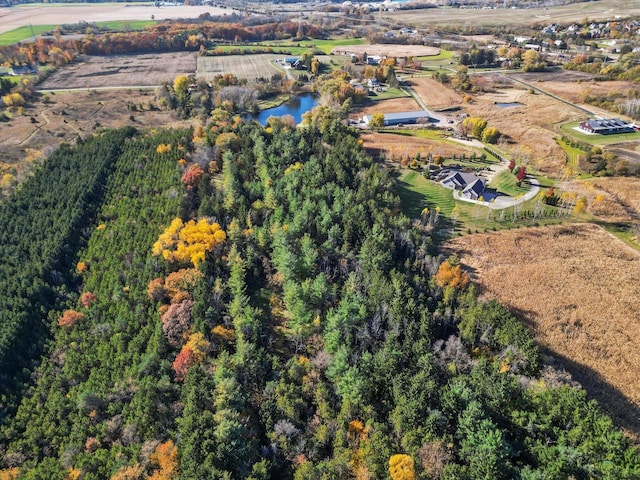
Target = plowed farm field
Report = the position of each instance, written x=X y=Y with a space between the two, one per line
x=242 y=66
x=122 y=71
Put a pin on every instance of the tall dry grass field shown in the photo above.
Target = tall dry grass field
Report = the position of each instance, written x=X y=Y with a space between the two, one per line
x=530 y=129
x=405 y=146
x=614 y=199
x=578 y=288
x=433 y=93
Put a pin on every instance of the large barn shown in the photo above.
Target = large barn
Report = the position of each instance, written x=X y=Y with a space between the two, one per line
x=420 y=116
x=607 y=126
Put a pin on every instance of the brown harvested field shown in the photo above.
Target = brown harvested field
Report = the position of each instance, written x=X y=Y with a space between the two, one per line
x=614 y=199
x=388 y=50
x=576 y=12
x=149 y=69
x=242 y=66
x=78 y=113
x=577 y=288
x=529 y=129
x=395 y=105
x=396 y=146
x=434 y=94
x=59 y=14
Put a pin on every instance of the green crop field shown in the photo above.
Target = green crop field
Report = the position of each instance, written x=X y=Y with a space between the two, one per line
x=23 y=33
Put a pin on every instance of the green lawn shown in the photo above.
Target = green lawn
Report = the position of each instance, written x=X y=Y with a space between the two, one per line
x=416 y=193
x=569 y=130
x=388 y=94
x=507 y=183
x=443 y=55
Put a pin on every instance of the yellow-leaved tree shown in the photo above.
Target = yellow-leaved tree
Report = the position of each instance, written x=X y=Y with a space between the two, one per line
x=401 y=467
x=188 y=242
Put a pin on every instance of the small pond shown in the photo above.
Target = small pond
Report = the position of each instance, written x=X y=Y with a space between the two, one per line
x=294 y=107
x=508 y=104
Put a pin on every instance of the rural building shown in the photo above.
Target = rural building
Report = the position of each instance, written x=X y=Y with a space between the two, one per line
x=23 y=70
x=402 y=118
x=472 y=187
x=607 y=126
x=292 y=61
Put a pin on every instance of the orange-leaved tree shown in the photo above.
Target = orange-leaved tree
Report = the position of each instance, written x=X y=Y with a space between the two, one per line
x=69 y=318
x=184 y=242
x=165 y=457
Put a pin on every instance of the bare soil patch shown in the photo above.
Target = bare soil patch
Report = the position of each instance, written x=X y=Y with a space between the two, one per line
x=388 y=50
x=434 y=94
x=397 y=146
x=122 y=71
x=17 y=16
x=69 y=115
x=242 y=66
x=577 y=288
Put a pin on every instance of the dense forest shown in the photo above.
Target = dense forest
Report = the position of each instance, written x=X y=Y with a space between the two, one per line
x=249 y=302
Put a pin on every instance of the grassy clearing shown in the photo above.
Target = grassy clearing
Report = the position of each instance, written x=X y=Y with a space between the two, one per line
x=569 y=130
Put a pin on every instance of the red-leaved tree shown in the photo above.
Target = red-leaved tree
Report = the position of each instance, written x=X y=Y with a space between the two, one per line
x=183 y=362
x=192 y=175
